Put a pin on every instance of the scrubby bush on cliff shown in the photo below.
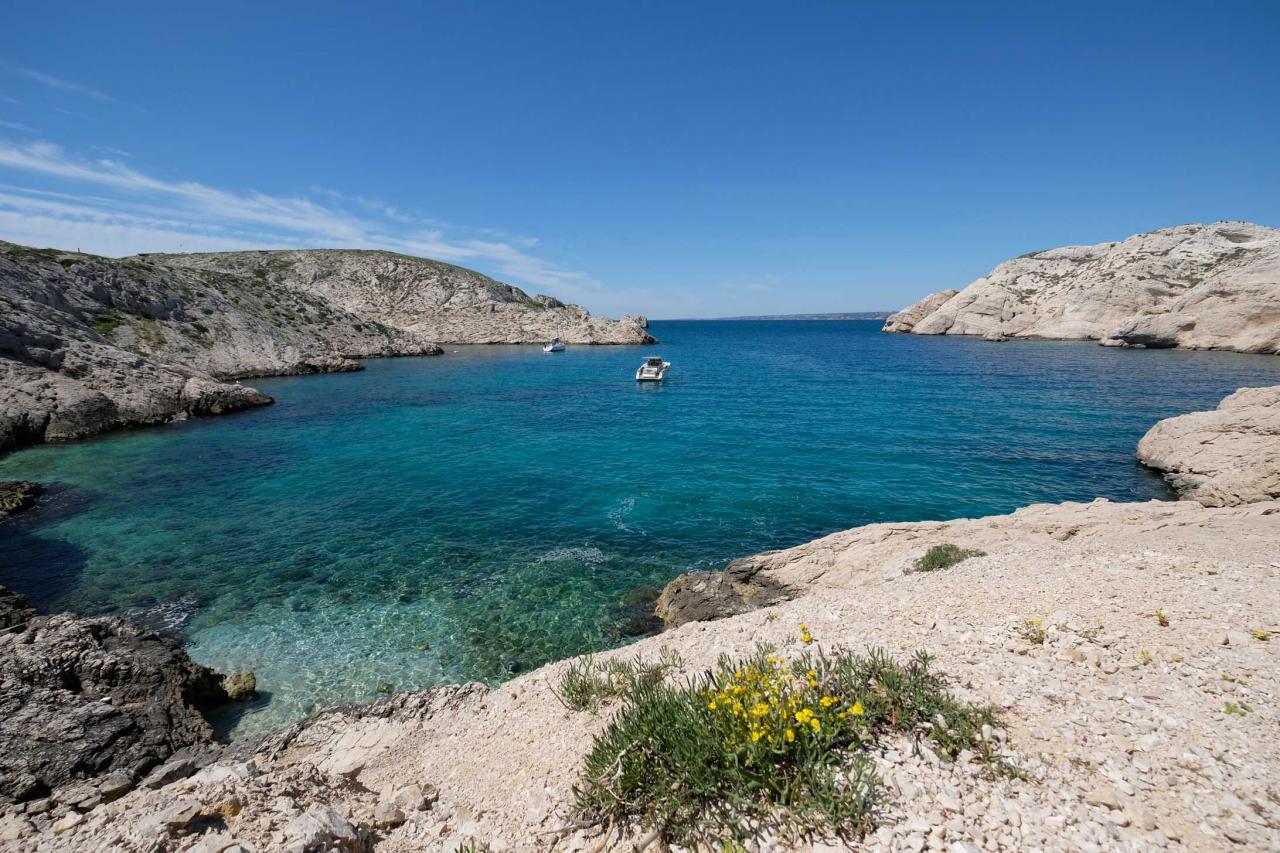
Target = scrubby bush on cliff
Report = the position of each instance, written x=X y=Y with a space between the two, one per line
x=944 y=557
x=587 y=683
x=768 y=743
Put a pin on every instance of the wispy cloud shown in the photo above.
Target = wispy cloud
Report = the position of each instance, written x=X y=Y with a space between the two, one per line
x=61 y=85
x=16 y=125
x=103 y=205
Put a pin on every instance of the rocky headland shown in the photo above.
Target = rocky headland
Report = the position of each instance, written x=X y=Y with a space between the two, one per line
x=90 y=344
x=1193 y=287
x=1127 y=648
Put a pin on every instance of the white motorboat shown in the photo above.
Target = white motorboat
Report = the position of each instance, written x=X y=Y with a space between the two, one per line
x=653 y=369
x=556 y=345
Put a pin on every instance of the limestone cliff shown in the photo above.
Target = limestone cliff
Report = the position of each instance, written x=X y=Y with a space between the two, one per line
x=1194 y=286
x=1224 y=457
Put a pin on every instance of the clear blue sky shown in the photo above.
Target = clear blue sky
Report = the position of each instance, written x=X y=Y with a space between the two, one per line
x=678 y=159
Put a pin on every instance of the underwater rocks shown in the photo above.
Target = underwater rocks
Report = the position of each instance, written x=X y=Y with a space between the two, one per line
x=17 y=496
x=1223 y=457
x=1193 y=287
x=88 y=706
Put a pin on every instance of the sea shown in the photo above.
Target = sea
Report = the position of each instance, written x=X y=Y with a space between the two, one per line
x=475 y=515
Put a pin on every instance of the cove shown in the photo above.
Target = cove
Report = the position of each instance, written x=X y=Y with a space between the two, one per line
x=480 y=513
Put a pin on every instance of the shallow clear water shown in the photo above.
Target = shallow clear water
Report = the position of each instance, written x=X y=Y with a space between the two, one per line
x=467 y=516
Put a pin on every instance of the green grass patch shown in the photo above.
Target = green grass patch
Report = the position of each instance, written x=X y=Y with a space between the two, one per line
x=588 y=683
x=944 y=557
x=106 y=323
x=769 y=746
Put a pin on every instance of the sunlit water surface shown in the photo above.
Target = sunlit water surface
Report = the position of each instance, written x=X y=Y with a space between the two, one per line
x=469 y=516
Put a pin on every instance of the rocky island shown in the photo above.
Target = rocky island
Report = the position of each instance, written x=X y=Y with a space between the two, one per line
x=1193 y=287
x=1127 y=649
x=89 y=344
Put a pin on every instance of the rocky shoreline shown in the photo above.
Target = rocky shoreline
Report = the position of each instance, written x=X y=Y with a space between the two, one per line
x=90 y=344
x=1189 y=287
x=1128 y=646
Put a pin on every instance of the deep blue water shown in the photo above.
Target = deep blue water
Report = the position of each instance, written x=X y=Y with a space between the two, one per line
x=466 y=516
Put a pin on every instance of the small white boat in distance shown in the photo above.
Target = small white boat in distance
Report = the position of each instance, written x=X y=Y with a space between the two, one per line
x=556 y=345
x=653 y=369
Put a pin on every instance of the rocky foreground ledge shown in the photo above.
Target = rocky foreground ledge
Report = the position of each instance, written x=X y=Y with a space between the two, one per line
x=1127 y=648
x=1193 y=287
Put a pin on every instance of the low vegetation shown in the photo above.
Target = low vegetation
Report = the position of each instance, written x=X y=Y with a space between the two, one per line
x=944 y=557
x=588 y=683
x=769 y=745
x=1033 y=631
x=105 y=324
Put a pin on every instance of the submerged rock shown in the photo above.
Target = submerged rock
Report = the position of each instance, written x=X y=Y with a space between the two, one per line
x=240 y=686
x=84 y=698
x=17 y=496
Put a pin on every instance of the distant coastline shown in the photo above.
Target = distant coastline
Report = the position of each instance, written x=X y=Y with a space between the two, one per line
x=838 y=315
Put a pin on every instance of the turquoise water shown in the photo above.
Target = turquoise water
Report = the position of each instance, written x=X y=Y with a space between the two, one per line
x=477 y=514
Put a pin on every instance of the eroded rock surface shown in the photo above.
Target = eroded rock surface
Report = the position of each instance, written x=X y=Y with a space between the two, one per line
x=700 y=596
x=1194 y=286
x=87 y=703
x=1223 y=457
x=437 y=301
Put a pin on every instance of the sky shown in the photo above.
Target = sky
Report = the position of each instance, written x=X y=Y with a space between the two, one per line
x=673 y=159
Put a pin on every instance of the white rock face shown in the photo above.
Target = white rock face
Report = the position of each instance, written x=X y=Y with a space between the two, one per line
x=1224 y=457
x=906 y=319
x=1194 y=286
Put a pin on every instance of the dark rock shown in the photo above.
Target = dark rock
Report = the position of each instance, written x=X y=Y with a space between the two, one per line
x=14 y=609
x=17 y=496
x=81 y=698
x=703 y=596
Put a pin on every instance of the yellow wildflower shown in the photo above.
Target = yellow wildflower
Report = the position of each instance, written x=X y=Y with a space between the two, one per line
x=857 y=710
x=791 y=735
x=827 y=701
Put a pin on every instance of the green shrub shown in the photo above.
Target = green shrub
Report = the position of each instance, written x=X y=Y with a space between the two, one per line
x=588 y=683
x=105 y=324
x=766 y=745
x=944 y=557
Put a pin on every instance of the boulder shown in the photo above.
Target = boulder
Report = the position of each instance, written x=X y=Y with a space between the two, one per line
x=1223 y=457
x=84 y=698
x=703 y=596
x=240 y=686
x=324 y=831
